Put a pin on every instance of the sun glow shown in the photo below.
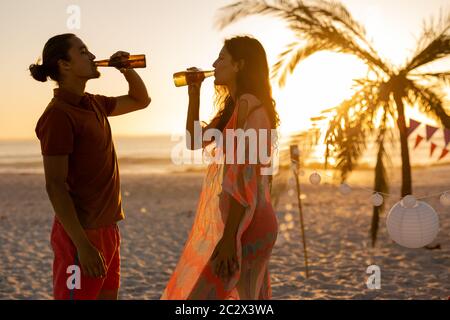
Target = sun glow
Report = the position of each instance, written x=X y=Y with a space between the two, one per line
x=321 y=82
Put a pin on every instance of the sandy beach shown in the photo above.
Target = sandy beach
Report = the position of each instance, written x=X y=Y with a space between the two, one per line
x=160 y=209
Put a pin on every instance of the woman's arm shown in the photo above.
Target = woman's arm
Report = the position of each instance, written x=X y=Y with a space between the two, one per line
x=192 y=138
x=224 y=256
x=194 y=130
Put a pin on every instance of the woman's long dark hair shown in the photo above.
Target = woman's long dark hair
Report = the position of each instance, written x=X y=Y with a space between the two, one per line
x=252 y=78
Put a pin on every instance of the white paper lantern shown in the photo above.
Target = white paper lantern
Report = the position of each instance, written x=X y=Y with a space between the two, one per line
x=315 y=178
x=412 y=227
x=445 y=199
x=345 y=189
x=377 y=199
x=409 y=201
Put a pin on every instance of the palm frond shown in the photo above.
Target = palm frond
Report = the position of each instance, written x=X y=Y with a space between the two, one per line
x=348 y=131
x=338 y=13
x=325 y=25
x=242 y=9
x=290 y=58
x=434 y=43
x=443 y=77
x=429 y=102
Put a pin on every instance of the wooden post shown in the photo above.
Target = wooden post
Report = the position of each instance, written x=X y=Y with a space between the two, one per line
x=295 y=165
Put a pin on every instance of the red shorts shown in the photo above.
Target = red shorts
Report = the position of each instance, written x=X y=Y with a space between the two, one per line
x=106 y=240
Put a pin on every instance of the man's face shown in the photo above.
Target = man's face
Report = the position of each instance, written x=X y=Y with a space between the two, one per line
x=81 y=64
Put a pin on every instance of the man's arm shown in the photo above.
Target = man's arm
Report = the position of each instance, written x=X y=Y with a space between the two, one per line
x=137 y=97
x=56 y=168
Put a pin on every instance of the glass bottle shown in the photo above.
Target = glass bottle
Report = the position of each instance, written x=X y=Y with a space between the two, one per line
x=184 y=78
x=133 y=61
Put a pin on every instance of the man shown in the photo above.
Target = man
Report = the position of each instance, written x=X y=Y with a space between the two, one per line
x=81 y=169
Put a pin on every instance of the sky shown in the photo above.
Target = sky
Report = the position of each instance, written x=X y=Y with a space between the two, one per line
x=174 y=35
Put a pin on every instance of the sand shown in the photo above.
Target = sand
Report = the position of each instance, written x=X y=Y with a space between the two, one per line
x=160 y=209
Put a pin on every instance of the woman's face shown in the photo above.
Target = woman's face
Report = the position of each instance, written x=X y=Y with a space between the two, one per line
x=225 y=69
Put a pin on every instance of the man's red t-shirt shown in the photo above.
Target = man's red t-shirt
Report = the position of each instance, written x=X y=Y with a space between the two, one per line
x=78 y=126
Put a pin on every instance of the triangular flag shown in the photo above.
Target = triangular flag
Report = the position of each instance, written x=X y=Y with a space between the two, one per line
x=430 y=131
x=413 y=124
x=419 y=138
x=443 y=154
x=433 y=147
x=446 y=136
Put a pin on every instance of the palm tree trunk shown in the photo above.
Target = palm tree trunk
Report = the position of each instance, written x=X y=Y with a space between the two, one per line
x=406 y=166
x=381 y=185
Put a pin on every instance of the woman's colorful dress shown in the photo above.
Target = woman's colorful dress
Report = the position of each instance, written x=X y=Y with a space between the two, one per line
x=193 y=277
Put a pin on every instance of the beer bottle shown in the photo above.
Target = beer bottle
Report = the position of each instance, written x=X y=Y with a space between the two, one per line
x=133 y=61
x=184 y=78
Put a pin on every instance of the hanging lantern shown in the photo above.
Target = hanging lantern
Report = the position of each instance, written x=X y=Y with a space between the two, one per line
x=314 y=178
x=445 y=199
x=409 y=201
x=345 y=189
x=412 y=223
x=377 y=199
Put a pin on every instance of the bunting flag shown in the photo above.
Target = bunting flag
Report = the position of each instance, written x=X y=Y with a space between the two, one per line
x=413 y=124
x=430 y=131
x=433 y=147
x=446 y=137
x=419 y=138
x=443 y=154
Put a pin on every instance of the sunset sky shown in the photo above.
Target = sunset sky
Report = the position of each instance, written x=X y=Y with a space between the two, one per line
x=174 y=35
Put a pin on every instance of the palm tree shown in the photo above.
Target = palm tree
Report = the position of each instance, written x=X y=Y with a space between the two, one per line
x=379 y=99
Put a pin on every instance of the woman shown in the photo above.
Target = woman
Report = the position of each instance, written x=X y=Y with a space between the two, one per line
x=227 y=253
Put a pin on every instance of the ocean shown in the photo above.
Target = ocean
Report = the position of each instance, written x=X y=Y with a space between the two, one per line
x=165 y=154
x=142 y=154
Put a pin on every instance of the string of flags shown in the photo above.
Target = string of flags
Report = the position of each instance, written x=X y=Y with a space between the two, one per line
x=429 y=133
